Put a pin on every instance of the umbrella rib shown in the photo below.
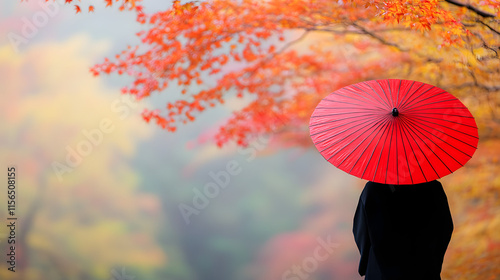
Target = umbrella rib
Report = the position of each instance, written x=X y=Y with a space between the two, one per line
x=351 y=108
x=413 y=106
x=345 y=130
x=412 y=98
x=340 y=119
x=450 y=136
x=409 y=103
x=385 y=94
x=424 y=120
x=338 y=101
x=404 y=123
x=397 y=95
x=411 y=148
x=366 y=147
x=397 y=159
x=359 y=104
x=335 y=127
x=385 y=101
x=393 y=124
x=404 y=149
x=379 y=157
x=406 y=93
x=338 y=141
x=438 y=108
x=443 y=114
x=416 y=124
x=409 y=120
x=418 y=117
x=371 y=156
x=336 y=114
x=360 y=95
x=374 y=99
x=379 y=124
x=390 y=93
x=407 y=97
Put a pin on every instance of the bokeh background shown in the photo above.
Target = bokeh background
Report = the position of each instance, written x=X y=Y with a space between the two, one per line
x=116 y=213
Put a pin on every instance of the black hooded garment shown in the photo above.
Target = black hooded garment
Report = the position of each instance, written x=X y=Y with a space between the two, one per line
x=402 y=231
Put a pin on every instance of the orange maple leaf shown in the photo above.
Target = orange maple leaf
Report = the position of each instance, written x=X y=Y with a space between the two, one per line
x=77 y=8
x=91 y=9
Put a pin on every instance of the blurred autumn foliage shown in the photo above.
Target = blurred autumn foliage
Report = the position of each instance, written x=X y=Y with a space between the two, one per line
x=94 y=218
x=282 y=57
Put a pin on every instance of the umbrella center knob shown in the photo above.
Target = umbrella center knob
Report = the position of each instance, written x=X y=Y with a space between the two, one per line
x=395 y=112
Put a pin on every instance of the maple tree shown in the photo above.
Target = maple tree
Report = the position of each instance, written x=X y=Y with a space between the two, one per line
x=248 y=49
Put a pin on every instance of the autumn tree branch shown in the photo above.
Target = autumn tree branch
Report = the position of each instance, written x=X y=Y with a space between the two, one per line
x=485 y=45
x=474 y=84
x=281 y=50
x=372 y=33
x=289 y=44
x=489 y=27
x=378 y=38
x=345 y=31
x=471 y=8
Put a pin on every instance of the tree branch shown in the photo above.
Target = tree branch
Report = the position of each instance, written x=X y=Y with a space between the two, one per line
x=372 y=33
x=378 y=38
x=345 y=31
x=282 y=49
x=474 y=84
x=471 y=8
x=289 y=44
x=489 y=27
x=485 y=45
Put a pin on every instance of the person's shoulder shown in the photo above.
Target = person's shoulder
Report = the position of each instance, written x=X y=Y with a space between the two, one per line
x=371 y=189
x=434 y=185
x=373 y=186
x=437 y=187
x=433 y=188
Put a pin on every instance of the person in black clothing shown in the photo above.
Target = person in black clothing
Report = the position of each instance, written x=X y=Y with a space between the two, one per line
x=402 y=231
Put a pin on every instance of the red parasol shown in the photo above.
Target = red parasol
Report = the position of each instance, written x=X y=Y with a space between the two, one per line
x=394 y=131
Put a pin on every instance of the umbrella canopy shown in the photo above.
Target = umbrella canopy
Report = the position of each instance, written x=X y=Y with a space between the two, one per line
x=392 y=131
